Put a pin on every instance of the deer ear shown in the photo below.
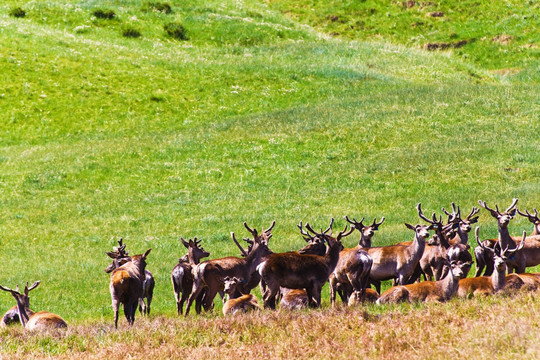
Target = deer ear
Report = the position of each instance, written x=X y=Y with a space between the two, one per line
x=146 y=253
x=111 y=255
x=184 y=242
x=513 y=212
x=474 y=220
x=409 y=226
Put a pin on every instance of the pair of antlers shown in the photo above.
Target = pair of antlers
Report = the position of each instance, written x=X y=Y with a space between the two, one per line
x=360 y=224
x=26 y=288
x=266 y=235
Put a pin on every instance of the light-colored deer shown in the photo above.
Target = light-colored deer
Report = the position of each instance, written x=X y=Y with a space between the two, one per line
x=370 y=296
x=126 y=286
x=31 y=320
x=181 y=276
x=441 y=290
x=488 y=285
x=293 y=270
x=209 y=275
x=242 y=303
x=293 y=299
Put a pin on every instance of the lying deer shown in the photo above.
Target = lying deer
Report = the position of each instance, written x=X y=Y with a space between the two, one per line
x=441 y=290
x=293 y=299
x=242 y=303
x=181 y=276
x=126 y=286
x=488 y=285
x=31 y=320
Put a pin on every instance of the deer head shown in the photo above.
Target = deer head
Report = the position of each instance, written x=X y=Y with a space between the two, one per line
x=503 y=219
x=195 y=252
x=366 y=231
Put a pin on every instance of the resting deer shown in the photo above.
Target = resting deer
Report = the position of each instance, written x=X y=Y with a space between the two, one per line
x=370 y=296
x=181 y=276
x=398 y=261
x=10 y=317
x=488 y=285
x=354 y=265
x=293 y=299
x=121 y=256
x=242 y=303
x=210 y=274
x=301 y=271
x=441 y=290
x=126 y=286
x=31 y=320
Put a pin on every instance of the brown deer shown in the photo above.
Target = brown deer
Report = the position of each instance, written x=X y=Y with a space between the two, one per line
x=462 y=234
x=241 y=303
x=533 y=219
x=526 y=257
x=370 y=296
x=31 y=320
x=210 y=274
x=10 y=317
x=181 y=276
x=398 y=261
x=441 y=290
x=121 y=256
x=488 y=285
x=293 y=270
x=293 y=299
x=126 y=286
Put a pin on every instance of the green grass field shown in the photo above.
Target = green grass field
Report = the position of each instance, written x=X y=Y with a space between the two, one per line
x=280 y=110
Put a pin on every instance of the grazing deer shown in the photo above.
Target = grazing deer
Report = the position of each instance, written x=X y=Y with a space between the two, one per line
x=238 y=303
x=293 y=270
x=31 y=320
x=181 y=276
x=210 y=274
x=398 y=261
x=126 y=286
x=441 y=290
x=121 y=256
x=488 y=285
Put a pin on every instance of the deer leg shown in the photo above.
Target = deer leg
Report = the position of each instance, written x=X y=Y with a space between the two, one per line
x=115 y=309
x=194 y=294
x=333 y=285
x=269 y=299
x=142 y=306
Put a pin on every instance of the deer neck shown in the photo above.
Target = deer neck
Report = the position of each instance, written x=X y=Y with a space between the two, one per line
x=332 y=256
x=364 y=242
x=536 y=229
x=449 y=285
x=24 y=313
x=504 y=238
x=463 y=236
x=498 y=278
x=416 y=249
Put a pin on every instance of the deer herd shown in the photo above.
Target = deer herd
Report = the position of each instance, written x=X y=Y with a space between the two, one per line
x=294 y=279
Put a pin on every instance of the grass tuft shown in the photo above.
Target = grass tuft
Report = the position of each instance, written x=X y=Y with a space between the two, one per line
x=131 y=32
x=17 y=12
x=176 y=30
x=104 y=14
x=161 y=7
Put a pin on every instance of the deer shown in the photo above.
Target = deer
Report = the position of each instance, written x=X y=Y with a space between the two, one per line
x=293 y=299
x=242 y=303
x=181 y=276
x=433 y=262
x=121 y=256
x=354 y=265
x=533 y=219
x=462 y=235
x=10 y=317
x=210 y=274
x=29 y=319
x=439 y=291
x=398 y=261
x=370 y=296
x=489 y=285
x=528 y=256
x=293 y=270
x=126 y=286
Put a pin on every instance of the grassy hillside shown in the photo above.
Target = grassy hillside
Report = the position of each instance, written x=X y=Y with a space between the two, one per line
x=250 y=115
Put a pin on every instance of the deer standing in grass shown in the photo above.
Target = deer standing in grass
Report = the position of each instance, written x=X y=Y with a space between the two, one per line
x=242 y=303
x=126 y=286
x=352 y=270
x=488 y=285
x=210 y=274
x=31 y=320
x=398 y=261
x=441 y=290
x=181 y=275
x=121 y=256
x=293 y=270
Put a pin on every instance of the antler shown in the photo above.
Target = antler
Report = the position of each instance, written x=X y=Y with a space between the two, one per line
x=474 y=211
x=434 y=221
x=532 y=218
x=357 y=224
x=237 y=244
x=377 y=224
x=476 y=230
x=514 y=203
x=345 y=233
x=329 y=228
x=483 y=204
x=455 y=216
x=305 y=234
x=252 y=231
x=519 y=247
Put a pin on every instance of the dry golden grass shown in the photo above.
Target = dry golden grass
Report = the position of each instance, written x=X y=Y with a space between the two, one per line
x=490 y=328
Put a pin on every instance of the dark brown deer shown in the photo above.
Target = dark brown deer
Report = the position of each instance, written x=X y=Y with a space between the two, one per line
x=126 y=286
x=488 y=285
x=121 y=256
x=10 y=317
x=366 y=231
x=31 y=320
x=210 y=274
x=181 y=276
x=293 y=270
